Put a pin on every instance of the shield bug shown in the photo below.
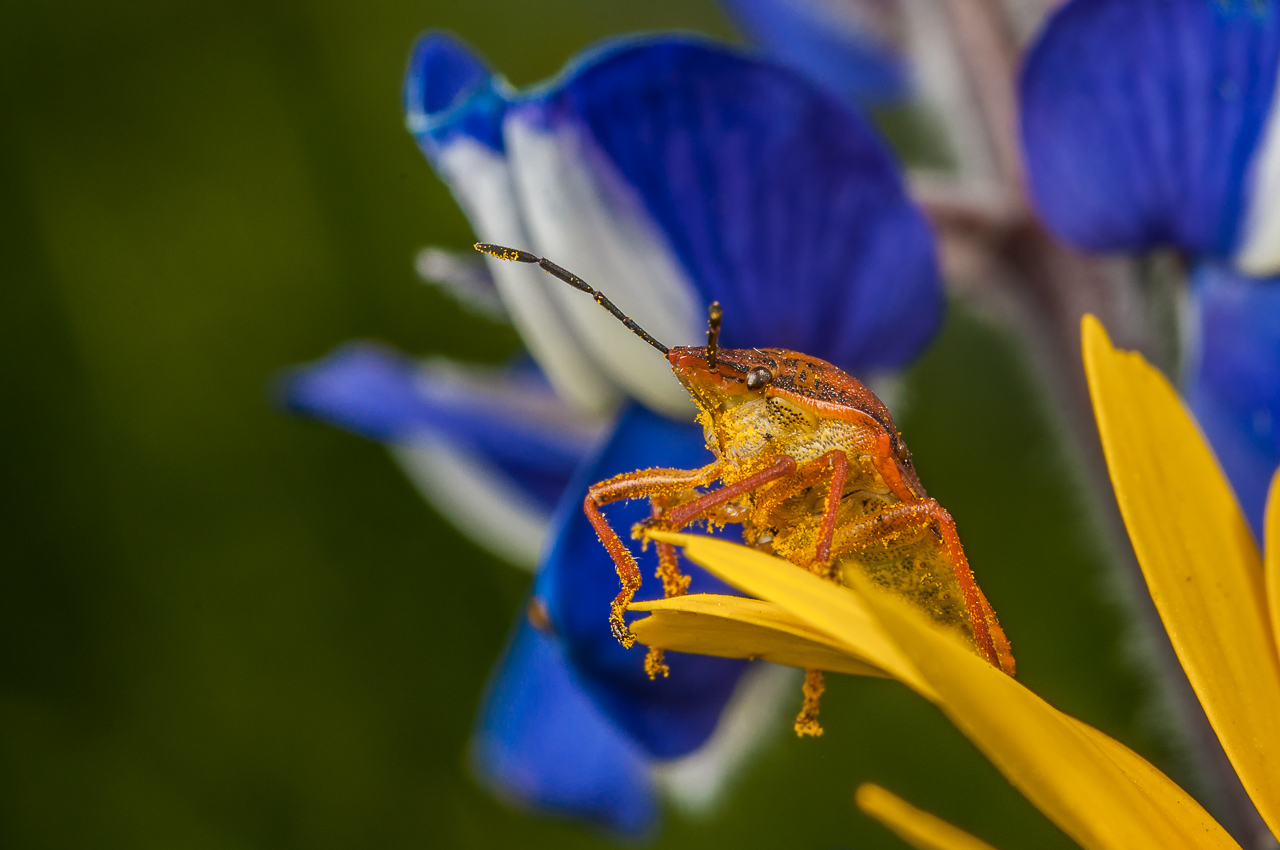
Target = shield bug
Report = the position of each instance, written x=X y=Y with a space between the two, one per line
x=810 y=464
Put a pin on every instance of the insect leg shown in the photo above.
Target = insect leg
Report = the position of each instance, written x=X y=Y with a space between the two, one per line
x=1004 y=651
x=835 y=464
x=901 y=519
x=986 y=629
x=624 y=562
x=674 y=583
x=679 y=517
x=838 y=463
x=874 y=443
x=634 y=485
x=887 y=466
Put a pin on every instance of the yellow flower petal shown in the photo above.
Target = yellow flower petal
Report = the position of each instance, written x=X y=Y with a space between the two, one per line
x=821 y=603
x=736 y=627
x=1185 y=812
x=1272 y=548
x=1095 y=789
x=917 y=827
x=1198 y=556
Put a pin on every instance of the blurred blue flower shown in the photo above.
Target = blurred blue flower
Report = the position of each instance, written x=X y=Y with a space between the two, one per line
x=1149 y=125
x=857 y=49
x=670 y=172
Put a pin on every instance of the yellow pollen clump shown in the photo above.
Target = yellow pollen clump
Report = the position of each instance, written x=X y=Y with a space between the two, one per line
x=807 y=719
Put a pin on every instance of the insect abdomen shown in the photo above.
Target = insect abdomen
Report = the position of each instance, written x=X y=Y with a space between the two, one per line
x=917 y=571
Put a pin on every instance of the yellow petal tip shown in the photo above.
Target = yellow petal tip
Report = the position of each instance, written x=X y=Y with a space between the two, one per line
x=1091 y=327
x=666 y=536
x=1095 y=342
x=1197 y=554
x=916 y=827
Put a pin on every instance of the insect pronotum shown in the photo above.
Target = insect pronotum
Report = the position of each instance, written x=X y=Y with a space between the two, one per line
x=811 y=465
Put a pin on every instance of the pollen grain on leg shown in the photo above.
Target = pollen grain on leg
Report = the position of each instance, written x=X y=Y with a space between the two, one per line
x=674 y=582
x=655 y=663
x=807 y=720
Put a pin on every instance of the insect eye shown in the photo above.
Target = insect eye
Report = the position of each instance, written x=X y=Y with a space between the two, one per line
x=758 y=378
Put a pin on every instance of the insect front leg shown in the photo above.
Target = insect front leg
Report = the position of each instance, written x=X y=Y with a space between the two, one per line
x=674 y=583
x=676 y=518
x=790 y=481
x=634 y=485
x=680 y=516
x=833 y=466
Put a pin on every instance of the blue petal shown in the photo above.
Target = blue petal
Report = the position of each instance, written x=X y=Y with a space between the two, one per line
x=515 y=423
x=450 y=91
x=1140 y=119
x=540 y=741
x=1233 y=384
x=779 y=201
x=836 y=45
x=669 y=717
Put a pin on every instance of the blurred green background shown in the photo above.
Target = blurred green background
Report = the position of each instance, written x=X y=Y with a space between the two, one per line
x=224 y=628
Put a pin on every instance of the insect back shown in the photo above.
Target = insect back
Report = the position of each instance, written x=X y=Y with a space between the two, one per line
x=856 y=503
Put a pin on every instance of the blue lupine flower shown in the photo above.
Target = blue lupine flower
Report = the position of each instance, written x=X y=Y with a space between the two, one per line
x=492 y=449
x=1151 y=125
x=670 y=172
x=856 y=49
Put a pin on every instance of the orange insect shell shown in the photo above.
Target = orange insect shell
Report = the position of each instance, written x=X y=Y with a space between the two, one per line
x=813 y=467
x=810 y=463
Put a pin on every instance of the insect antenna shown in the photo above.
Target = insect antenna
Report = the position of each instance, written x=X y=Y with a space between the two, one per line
x=714 y=315
x=515 y=255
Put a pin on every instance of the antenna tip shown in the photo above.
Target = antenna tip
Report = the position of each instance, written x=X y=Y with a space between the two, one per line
x=714 y=312
x=513 y=255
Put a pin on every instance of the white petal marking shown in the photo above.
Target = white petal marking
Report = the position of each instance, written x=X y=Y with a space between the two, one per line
x=465 y=491
x=464 y=276
x=464 y=487
x=1259 y=253
x=446 y=382
x=584 y=217
x=481 y=181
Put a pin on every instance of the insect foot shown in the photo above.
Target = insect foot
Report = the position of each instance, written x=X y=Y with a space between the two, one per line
x=674 y=583
x=655 y=663
x=807 y=720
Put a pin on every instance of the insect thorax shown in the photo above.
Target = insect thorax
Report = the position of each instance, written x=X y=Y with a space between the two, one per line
x=758 y=430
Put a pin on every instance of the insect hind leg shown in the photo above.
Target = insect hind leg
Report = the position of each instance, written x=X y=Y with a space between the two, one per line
x=898 y=521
